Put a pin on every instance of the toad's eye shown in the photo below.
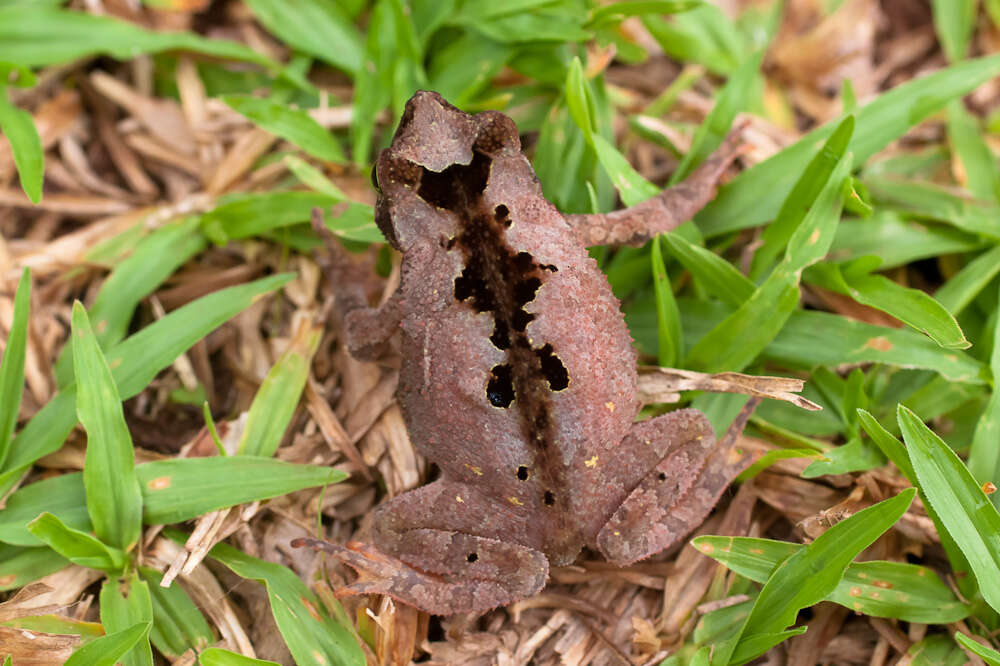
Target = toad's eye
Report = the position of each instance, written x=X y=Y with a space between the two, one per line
x=375 y=181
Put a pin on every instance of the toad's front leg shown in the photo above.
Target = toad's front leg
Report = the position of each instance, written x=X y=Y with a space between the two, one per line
x=442 y=555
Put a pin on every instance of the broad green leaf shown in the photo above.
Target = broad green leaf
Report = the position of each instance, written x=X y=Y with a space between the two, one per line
x=755 y=196
x=219 y=657
x=107 y=650
x=810 y=575
x=135 y=362
x=312 y=636
x=19 y=129
x=959 y=501
x=880 y=589
x=113 y=499
x=668 y=318
x=719 y=277
x=20 y=566
x=184 y=488
x=814 y=178
x=124 y=603
x=954 y=21
x=967 y=141
x=913 y=307
x=965 y=285
x=76 y=546
x=278 y=396
x=33 y=36
x=293 y=125
x=154 y=259
x=178 y=625
x=12 y=365
x=989 y=655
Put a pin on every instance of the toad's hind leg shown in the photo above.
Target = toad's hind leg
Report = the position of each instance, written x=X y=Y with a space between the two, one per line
x=678 y=493
x=441 y=548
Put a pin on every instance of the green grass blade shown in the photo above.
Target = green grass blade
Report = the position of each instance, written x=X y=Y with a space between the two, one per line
x=61 y=495
x=220 y=657
x=967 y=141
x=812 y=181
x=933 y=202
x=124 y=603
x=954 y=21
x=989 y=655
x=76 y=546
x=107 y=650
x=755 y=196
x=733 y=98
x=958 y=292
x=898 y=241
x=808 y=576
x=250 y=214
x=113 y=498
x=32 y=36
x=293 y=125
x=620 y=10
x=20 y=566
x=185 y=488
x=889 y=445
x=275 y=402
x=984 y=454
x=135 y=362
x=313 y=178
x=667 y=317
x=154 y=259
x=311 y=635
x=719 y=277
x=19 y=128
x=962 y=506
x=178 y=625
x=12 y=365
x=317 y=27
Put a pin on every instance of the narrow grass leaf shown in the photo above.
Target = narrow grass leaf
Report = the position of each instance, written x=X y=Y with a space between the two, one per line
x=880 y=589
x=935 y=202
x=32 y=36
x=719 y=277
x=19 y=128
x=61 y=495
x=667 y=317
x=984 y=453
x=312 y=636
x=810 y=575
x=178 y=625
x=135 y=362
x=76 y=546
x=772 y=457
x=20 y=566
x=107 y=650
x=913 y=307
x=249 y=214
x=621 y=10
x=293 y=125
x=220 y=657
x=275 y=402
x=936 y=650
x=185 y=488
x=988 y=654
x=704 y=35
x=889 y=445
x=967 y=141
x=965 y=285
x=113 y=498
x=898 y=241
x=812 y=181
x=125 y=603
x=729 y=101
x=954 y=21
x=154 y=259
x=756 y=195
x=313 y=178
x=12 y=365
x=855 y=455
x=317 y=27
x=959 y=501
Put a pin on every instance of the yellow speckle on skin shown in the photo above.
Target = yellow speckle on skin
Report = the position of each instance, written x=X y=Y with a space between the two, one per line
x=855 y=591
x=592 y=462
x=478 y=471
x=610 y=406
x=516 y=502
x=159 y=483
x=458 y=498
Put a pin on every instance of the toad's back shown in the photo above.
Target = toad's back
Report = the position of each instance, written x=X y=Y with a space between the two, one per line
x=518 y=371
